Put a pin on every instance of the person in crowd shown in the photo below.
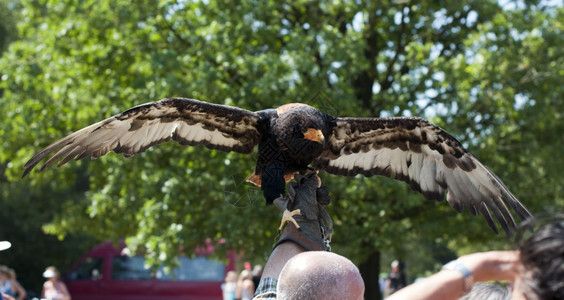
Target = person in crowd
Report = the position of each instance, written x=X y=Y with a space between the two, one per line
x=257 y=273
x=245 y=288
x=20 y=291
x=9 y=285
x=396 y=279
x=229 y=286
x=6 y=297
x=247 y=266
x=54 y=288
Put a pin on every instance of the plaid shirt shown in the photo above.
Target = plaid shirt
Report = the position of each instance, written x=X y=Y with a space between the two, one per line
x=266 y=289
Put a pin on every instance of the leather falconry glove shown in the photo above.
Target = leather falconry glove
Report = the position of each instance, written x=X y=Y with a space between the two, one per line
x=309 y=225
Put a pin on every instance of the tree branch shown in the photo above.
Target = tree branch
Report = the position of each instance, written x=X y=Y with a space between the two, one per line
x=386 y=82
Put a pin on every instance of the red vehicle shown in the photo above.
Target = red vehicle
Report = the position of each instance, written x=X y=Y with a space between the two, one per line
x=104 y=273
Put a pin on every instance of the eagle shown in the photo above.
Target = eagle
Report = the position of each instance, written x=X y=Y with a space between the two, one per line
x=295 y=137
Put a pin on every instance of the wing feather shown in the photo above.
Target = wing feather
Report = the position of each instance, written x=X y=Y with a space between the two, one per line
x=186 y=121
x=429 y=159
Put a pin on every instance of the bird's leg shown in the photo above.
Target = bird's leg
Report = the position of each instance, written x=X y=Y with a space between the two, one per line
x=310 y=171
x=282 y=204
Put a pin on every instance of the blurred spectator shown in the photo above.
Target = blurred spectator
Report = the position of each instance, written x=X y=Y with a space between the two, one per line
x=245 y=287
x=53 y=288
x=382 y=283
x=9 y=285
x=396 y=279
x=20 y=291
x=229 y=286
x=257 y=273
x=6 y=297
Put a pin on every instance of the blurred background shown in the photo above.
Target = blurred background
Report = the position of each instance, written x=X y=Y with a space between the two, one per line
x=489 y=72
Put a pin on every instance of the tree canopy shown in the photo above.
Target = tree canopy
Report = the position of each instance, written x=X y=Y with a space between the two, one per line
x=489 y=73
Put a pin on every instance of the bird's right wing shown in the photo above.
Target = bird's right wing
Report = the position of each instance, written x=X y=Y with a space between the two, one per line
x=186 y=121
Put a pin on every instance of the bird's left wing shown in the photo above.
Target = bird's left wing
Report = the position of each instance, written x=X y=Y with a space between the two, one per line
x=186 y=121
x=429 y=159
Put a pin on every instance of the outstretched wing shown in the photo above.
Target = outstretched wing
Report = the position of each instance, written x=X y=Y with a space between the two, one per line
x=429 y=159
x=187 y=121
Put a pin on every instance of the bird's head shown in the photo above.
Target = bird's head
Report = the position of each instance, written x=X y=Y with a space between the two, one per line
x=315 y=135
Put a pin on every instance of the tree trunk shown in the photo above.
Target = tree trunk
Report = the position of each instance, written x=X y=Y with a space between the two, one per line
x=370 y=269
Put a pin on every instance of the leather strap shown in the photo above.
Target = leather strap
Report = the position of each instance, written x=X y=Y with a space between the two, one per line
x=291 y=233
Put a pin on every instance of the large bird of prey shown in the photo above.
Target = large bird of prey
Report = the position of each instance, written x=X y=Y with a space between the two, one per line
x=294 y=137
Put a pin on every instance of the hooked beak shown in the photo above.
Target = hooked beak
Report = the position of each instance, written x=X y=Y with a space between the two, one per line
x=315 y=135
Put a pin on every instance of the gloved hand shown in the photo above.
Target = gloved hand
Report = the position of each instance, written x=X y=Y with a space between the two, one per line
x=315 y=224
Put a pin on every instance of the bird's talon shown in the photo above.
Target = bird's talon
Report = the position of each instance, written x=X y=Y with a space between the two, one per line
x=288 y=216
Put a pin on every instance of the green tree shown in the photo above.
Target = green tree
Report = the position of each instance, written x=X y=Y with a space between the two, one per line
x=9 y=13
x=21 y=225
x=490 y=75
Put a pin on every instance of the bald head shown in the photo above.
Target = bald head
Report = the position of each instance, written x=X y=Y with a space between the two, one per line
x=320 y=275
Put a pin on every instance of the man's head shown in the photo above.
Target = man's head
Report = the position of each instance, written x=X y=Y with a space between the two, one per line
x=486 y=291
x=395 y=266
x=51 y=273
x=257 y=270
x=4 y=273
x=320 y=275
x=542 y=257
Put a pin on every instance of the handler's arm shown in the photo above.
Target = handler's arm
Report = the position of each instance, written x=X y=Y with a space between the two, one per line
x=293 y=241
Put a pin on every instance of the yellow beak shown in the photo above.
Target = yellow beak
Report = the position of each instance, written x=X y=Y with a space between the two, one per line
x=315 y=135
